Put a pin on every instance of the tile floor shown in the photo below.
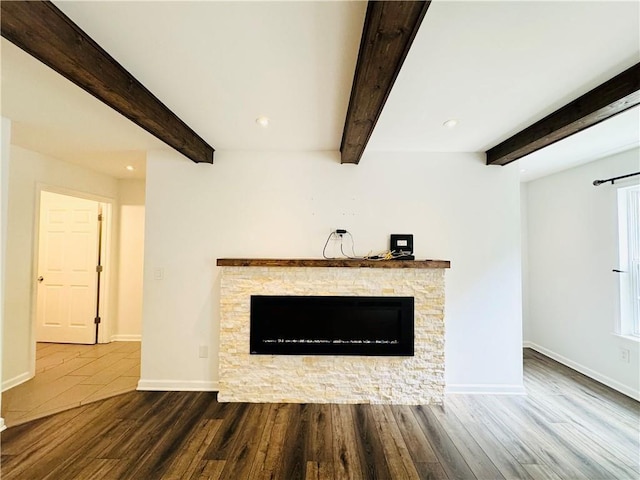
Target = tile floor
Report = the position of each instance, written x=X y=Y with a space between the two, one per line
x=68 y=376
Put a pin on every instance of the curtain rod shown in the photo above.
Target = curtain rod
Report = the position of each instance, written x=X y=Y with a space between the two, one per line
x=612 y=180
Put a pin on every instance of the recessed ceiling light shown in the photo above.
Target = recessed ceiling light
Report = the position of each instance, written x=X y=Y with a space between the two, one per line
x=262 y=121
x=131 y=168
x=450 y=123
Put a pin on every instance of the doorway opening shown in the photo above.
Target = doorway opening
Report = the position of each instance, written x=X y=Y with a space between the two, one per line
x=61 y=374
x=73 y=247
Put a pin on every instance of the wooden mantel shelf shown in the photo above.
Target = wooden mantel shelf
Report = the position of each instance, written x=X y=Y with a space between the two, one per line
x=338 y=262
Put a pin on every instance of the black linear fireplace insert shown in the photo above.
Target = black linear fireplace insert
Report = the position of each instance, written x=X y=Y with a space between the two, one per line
x=325 y=325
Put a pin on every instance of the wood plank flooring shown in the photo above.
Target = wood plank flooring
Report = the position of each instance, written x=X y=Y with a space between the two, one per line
x=567 y=427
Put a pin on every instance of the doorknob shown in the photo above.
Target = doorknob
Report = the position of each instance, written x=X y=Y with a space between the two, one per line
x=40 y=279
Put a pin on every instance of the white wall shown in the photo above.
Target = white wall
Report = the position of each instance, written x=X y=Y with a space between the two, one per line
x=128 y=325
x=5 y=141
x=573 y=294
x=27 y=170
x=285 y=204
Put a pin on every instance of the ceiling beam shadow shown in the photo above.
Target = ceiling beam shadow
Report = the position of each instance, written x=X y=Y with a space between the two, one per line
x=42 y=30
x=388 y=32
x=606 y=100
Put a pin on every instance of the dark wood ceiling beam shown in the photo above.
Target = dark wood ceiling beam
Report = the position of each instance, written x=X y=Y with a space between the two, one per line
x=388 y=32
x=612 y=97
x=43 y=31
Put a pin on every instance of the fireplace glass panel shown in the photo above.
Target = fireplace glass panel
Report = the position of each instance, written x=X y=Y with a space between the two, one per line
x=330 y=325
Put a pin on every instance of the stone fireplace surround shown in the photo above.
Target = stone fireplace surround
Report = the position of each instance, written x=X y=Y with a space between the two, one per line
x=332 y=379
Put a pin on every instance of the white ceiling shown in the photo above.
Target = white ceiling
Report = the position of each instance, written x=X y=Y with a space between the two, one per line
x=53 y=116
x=220 y=65
x=497 y=67
x=494 y=66
x=617 y=134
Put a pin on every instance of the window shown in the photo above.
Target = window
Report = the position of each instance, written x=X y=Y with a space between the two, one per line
x=629 y=251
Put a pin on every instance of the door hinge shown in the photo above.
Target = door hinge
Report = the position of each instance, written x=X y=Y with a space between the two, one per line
x=99 y=268
x=97 y=320
x=99 y=217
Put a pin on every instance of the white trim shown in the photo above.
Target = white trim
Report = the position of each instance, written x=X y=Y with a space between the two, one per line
x=109 y=264
x=5 y=154
x=70 y=192
x=609 y=382
x=126 y=338
x=15 y=381
x=177 y=386
x=628 y=314
x=484 y=389
x=629 y=338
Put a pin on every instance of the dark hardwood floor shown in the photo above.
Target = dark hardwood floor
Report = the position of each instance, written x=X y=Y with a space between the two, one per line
x=567 y=427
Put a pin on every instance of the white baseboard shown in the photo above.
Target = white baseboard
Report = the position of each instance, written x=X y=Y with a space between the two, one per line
x=15 y=381
x=2 y=425
x=609 y=382
x=126 y=338
x=484 y=389
x=177 y=386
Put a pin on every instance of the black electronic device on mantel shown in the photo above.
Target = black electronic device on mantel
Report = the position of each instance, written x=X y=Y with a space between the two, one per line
x=401 y=246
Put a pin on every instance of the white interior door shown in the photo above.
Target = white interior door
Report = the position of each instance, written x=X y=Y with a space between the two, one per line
x=67 y=278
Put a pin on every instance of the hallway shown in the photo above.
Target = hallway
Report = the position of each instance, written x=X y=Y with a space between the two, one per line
x=69 y=375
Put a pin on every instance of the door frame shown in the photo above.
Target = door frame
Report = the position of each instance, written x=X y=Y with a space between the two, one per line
x=108 y=262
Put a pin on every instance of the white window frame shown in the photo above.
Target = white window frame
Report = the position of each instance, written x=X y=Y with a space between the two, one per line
x=629 y=260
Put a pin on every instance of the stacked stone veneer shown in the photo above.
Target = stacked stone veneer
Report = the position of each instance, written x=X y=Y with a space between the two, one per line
x=323 y=378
